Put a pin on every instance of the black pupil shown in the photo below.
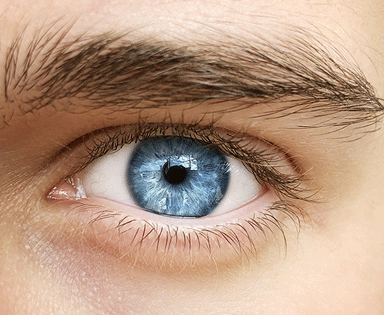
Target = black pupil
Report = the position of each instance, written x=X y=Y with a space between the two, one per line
x=174 y=174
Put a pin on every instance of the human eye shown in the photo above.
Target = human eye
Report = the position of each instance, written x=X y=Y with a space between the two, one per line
x=179 y=191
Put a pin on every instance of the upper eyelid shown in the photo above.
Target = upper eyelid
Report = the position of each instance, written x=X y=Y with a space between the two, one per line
x=124 y=134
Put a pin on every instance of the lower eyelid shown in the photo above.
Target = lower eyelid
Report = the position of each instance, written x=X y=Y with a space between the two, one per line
x=145 y=237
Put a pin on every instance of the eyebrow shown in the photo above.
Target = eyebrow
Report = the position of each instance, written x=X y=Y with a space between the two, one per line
x=85 y=73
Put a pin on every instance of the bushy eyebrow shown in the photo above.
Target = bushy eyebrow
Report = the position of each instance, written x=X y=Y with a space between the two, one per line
x=107 y=70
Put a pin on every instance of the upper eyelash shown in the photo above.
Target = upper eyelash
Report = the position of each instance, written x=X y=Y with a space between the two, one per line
x=261 y=163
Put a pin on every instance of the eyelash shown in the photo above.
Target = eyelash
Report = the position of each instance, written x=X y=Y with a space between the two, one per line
x=263 y=163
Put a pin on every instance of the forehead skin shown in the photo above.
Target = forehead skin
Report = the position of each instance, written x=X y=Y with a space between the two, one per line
x=337 y=271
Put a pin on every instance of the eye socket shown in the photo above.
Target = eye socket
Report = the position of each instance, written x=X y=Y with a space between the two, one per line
x=171 y=176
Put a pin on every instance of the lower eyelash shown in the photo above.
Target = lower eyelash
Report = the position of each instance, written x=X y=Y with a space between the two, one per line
x=142 y=240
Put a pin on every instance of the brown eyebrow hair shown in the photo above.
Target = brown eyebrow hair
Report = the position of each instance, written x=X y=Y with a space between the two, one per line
x=107 y=70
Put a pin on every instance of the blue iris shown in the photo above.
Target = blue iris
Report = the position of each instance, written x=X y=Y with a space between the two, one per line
x=177 y=176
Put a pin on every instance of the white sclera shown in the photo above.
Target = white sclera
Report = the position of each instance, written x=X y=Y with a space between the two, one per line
x=106 y=178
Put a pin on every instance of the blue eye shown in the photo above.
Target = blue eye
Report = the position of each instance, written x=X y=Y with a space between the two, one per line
x=177 y=176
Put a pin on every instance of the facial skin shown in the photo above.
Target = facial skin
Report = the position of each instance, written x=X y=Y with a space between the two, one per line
x=54 y=261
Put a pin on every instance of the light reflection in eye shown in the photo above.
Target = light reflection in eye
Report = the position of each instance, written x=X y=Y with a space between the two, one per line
x=186 y=161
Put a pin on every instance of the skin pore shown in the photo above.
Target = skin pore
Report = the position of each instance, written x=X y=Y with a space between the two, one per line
x=302 y=79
